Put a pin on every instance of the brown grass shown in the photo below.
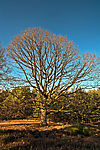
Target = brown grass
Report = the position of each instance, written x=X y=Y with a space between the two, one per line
x=30 y=135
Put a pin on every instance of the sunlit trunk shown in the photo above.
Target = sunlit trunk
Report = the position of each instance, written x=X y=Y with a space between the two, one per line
x=44 y=116
x=44 y=113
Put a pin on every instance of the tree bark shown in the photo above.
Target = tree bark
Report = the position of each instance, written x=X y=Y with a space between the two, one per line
x=44 y=111
x=43 y=116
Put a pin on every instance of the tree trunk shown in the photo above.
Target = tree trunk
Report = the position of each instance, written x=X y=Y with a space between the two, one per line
x=43 y=116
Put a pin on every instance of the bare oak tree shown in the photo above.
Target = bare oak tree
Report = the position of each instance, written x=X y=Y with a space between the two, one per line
x=51 y=64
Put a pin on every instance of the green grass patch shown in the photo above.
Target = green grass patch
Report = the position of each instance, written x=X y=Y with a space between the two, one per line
x=79 y=130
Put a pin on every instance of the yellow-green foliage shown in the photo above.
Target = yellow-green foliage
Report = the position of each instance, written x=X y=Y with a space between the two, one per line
x=17 y=103
x=76 y=107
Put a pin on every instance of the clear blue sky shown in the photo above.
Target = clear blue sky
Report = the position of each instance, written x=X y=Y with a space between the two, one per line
x=78 y=19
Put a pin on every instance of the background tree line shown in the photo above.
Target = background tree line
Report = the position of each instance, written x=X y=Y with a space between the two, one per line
x=73 y=106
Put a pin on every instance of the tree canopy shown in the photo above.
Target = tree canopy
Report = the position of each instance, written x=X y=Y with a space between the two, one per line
x=50 y=62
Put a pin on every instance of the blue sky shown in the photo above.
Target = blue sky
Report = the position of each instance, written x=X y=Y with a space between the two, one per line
x=79 y=20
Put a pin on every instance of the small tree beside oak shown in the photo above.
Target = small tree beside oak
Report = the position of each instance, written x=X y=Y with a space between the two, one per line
x=51 y=64
x=4 y=69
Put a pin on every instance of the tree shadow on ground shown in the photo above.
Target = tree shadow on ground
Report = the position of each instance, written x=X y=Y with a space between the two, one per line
x=55 y=139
